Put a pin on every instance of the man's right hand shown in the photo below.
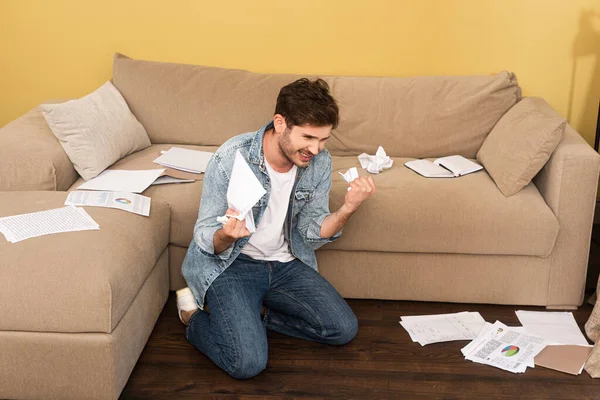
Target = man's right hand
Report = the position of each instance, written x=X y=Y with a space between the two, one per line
x=234 y=229
x=231 y=231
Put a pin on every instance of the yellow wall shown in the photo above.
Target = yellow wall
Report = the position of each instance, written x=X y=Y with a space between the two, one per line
x=63 y=48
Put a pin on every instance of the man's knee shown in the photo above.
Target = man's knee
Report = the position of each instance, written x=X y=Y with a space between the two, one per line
x=344 y=330
x=249 y=364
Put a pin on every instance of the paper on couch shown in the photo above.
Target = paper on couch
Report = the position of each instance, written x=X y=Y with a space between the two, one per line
x=243 y=192
x=116 y=180
x=66 y=219
x=193 y=161
x=377 y=163
x=130 y=202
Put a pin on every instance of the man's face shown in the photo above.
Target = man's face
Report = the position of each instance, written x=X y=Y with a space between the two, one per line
x=301 y=143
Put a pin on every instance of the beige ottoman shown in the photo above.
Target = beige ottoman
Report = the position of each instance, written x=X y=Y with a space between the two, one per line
x=76 y=309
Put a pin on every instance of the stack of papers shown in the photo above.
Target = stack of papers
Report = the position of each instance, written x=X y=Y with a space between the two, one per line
x=187 y=160
x=133 y=203
x=67 y=219
x=568 y=349
x=427 y=329
x=116 y=180
x=504 y=347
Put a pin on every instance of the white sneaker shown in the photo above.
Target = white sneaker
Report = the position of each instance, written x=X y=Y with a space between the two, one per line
x=185 y=302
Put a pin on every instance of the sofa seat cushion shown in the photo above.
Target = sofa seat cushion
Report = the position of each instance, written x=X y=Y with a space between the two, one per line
x=466 y=215
x=77 y=281
x=183 y=198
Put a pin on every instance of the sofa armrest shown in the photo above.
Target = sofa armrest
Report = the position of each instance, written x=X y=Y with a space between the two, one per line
x=568 y=183
x=31 y=157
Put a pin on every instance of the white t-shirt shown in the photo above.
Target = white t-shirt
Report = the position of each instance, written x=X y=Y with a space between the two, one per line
x=268 y=242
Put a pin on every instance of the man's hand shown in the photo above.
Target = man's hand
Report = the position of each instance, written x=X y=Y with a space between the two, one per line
x=360 y=189
x=231 y=231
x=234 y=229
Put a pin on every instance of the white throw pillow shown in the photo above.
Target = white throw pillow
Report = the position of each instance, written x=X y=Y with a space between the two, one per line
x=96 y=130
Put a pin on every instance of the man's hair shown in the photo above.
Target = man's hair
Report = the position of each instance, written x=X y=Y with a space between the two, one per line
x=306 y=102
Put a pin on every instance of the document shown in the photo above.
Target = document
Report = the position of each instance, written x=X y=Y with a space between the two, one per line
x=66 y=219
x=486 y=333
x=555 y=327
x=243 y=192
x=133 y=203
x=427 y=329
x=187 y=160
x=506 y=348
x=117 y=180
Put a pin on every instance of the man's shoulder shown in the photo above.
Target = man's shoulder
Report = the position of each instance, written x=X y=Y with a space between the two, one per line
x=322 y=161
x=240 y=142
x=319 y=169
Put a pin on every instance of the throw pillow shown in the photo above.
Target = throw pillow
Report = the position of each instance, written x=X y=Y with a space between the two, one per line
x=521 y=143
x=96 y=130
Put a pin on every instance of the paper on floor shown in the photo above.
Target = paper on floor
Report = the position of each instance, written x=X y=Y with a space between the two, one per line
x=243 y=192
x=66 y=219
x=555 y=327
x=377 y=163
x=427 y=329
x=504 y=347
x=486 y=332
x=117 y=180
x=133 y=203
x=187 y=160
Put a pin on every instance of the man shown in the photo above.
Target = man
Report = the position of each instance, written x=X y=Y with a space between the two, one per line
x=237 y=273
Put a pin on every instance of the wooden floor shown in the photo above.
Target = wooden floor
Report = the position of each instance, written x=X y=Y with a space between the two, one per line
x=381 y=363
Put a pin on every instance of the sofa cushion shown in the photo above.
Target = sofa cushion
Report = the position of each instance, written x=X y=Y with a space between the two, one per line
x=521 y=144
x=96 y=130
x=409 y=117
x=191 y=104
x=183 y=198
x=466 y=215
x=77 y=281
x=31 y=157
x=419 y=116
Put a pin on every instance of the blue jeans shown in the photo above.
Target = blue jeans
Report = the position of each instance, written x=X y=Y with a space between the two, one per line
x=299 y=302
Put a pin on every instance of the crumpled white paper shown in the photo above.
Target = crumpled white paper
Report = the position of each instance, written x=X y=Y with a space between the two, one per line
x=243 y=192
x=377 y=163
x=349 y=175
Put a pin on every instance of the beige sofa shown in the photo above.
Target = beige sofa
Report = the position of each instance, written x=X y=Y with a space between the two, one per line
x=76 y=309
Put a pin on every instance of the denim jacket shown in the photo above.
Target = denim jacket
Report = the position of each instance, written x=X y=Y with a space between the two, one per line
x=308 y=208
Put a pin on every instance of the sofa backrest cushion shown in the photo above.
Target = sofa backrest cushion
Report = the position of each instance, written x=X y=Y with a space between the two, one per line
x=420 y=116
x=190 y=104
x=409 y=117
